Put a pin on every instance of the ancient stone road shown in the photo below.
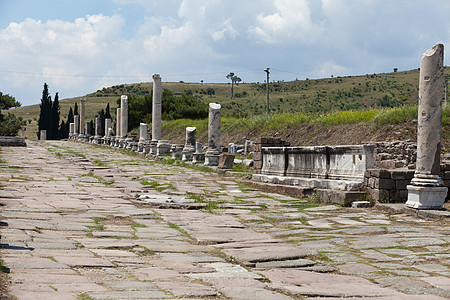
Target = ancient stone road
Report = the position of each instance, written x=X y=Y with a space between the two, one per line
x=72 y=227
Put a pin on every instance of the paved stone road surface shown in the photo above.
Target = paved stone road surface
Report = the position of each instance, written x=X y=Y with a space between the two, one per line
x=73 y=227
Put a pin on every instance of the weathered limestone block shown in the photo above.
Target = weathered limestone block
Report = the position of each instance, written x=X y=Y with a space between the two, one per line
x=427 y=189
x=163 y=147
x=226 y=161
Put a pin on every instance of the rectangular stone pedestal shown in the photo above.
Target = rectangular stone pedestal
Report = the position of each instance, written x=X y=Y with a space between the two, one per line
x=211 y=159
x=424 y=197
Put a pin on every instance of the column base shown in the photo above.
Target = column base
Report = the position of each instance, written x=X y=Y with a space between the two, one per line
x=426 y=197
x=211 y=159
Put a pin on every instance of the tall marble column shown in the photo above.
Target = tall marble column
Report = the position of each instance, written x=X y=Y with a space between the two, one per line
x=118 y=121
x=156 y=108
x=82 y=117
x=213 y=152
x=189 y=146
x=124 y=116
x=427 y=190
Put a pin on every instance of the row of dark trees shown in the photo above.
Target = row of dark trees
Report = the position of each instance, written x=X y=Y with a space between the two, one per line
x=49 y=115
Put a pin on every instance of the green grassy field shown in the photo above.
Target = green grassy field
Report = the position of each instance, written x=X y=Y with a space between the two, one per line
x=296 y=101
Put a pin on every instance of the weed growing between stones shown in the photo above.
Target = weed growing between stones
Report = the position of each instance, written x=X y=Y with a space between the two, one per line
x=100 y=179
x=157 y=186
x=84 y=296
x=3 y=268
x=99 y=163
x=135 y=225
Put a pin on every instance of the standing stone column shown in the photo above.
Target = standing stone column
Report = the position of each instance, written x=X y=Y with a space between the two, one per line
x=98 y=130
x=156 y=114
x=43 y=134
x=82 y=118
x=124 y=116
x=71 y=130
x=212 y=154
x=76 y=122
x=107 y=126
x=107 y=136
x=143 y=137
x=189 y=146
x=23 y=128
x=118 y=121
x=156 y=108
x=427 y=190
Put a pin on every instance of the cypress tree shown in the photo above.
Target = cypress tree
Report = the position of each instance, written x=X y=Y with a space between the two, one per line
x=107 y=112
x=45 y=111
x=54 y=126
x=75 y=109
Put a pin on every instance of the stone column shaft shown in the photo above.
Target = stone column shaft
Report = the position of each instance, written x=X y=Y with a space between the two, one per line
x=156 y=108
x=118 y=121
x=143 y=134
x=426 y=190
x=124 y=116
x=107 y=126
x=76 y=121
x=98 y=126
x=214 y=128
x=212 y=154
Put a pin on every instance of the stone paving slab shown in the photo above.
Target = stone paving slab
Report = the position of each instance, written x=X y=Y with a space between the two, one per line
x=66 y=239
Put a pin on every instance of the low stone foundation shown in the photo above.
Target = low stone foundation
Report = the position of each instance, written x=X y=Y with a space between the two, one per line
x=12 y=141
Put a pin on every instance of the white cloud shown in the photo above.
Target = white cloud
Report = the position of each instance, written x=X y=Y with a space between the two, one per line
x=290 y=20
x=175 y=37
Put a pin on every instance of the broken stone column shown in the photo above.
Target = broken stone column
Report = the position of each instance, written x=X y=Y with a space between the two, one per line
x=107 y=126
x=71 y=130
x=143 y=138
x=43 y=135
x=427 y=190
x=23 y=128
x=107 y=136
x=82 y=119
x=198 y=156
x=76 y=122
x=189 y=146
x=98 y=130
x=213 y=152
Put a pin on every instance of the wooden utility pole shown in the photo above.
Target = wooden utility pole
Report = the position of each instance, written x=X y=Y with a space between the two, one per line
x=267 y=89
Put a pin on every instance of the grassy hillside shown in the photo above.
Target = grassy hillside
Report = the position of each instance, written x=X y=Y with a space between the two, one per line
x=295 y=98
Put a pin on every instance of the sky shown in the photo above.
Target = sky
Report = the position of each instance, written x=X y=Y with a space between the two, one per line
x=79 y=47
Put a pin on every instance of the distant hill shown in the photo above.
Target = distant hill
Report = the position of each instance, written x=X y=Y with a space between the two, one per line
x=310 y=96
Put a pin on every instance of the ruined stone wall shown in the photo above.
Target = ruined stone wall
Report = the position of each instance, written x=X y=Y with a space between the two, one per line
x=394 y=155
x=265 y=142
